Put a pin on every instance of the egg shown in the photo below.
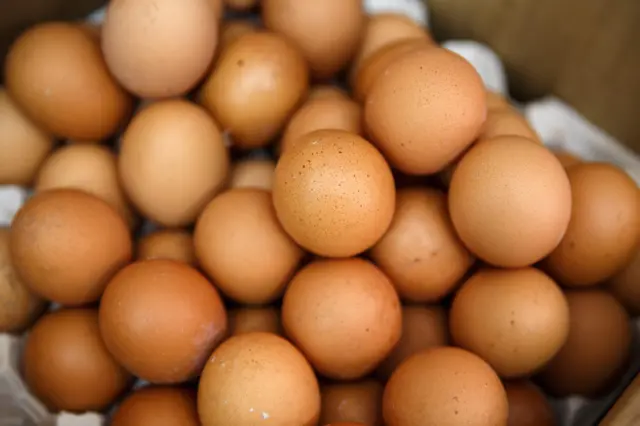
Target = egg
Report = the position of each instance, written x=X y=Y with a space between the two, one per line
x=159 y=48
x=625 y=286
x=423 y=327
x=420 y=251
x=89 y=168
x=252 y=319
x=349 y=403
x=19 y=307
x=497 y=102
x=172 y=161
x=158 y=406
x=323 y=91
x=24 y=145
x=425 y=109
x=91 y=105
x=253 y=173
x=445 y=387
x=66 y=244
x=67 y=366
x=172 y=244
x=232 y=30
x=258 y=378
x=528 y=406
x=318 y=315
x=603 y=231
x=507 y=123
x=510 y=201
x=567 y=159
x=241 y=245
x=241 y=5
x=334 y=193
x=596 y=353
x=161 y=319
x=327 y=32
x=255 y=86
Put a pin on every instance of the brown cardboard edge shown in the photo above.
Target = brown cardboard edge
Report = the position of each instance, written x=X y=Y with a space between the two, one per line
x=626 y=409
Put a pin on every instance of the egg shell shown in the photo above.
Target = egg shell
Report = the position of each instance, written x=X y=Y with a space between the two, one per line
x=233 y=29
x=172 y=244
x=258 y=378
x=67 y=244
x=161 y=319
x=322 y=91
x=507 y=123
x=334 y=193
x=67 y=366
x=528 y=406
x=497 y=102
x=164 y=141
x=352 y=403
x=625 y=286
x=327 y=32
x=158 y=406
x=425 y=109
x=596 y=353
x=603 y=231
x=446 y=387
x=159 y=48
x=421 y=251
x=567 y=159
x=318 y=315
x=241 y=245
x=510 y=201
x=253 y=319
x=255 y=86
x=241 y=5
x=24 y=145
x=252 y=173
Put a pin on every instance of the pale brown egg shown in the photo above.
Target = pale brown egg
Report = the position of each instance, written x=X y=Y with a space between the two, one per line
x=159 y=48
x=161 y=319
x=567 y=159
x=425 y=109
x=24 y=146
x=528 y=406
x=66 y=245
x=90 y=105
x=421 y=251
x=507 y=123
x=172 y=161
x=323 y=91
x=218 y=8
x=67 y=366
x=258 y=378
x=241 y=5
x=625 y=286
x=349 y=403
x=252 y=319
x=423 y=327
x=445 y=387
x=515 y=319
x=510 y=201
x=595 y=356
x=19 y=307
x=233 y=29
x=603 y=232
x=158 y=406
x=241 y=245
x=497 y=102
x=318 y=315
x=172 y=244
x=334 y=193
x=252 y=173
x=255 y=86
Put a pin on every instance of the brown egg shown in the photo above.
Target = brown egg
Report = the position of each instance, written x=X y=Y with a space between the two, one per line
x=334 y=193
x=23 y=145
x=158 y=406
x=258 y=378
x=423 y=327
x=425 y=109
x=19 y=307
x=249 y=319
x=324 y=91
x=241 y=245
x=232 y=30
x=318 y=315
x=507 y=123
x=567 y=159
x=172 y=161
x=603 y=232
x=66 y=245
x=510 y=201
x=159 y=48
x=241 y=5
x=218 y=8
x=528 y=406
x=90 y=105
x=252 y=174
x=67 y=366
x=321 y=114
x=515 y=319
x=256 y=85
x=161 y=319
x=625 y=286
x=596 y=353
x=89 y=168
x=497 y=102
x=352 y=403
x=172 y=244
x=445 y=387
x=421 y=252
x=327 y=32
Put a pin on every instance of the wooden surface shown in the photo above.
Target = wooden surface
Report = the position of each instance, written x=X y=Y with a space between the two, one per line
x=626 y=411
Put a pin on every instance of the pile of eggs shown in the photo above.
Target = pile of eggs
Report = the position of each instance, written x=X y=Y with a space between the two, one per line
x=403 y=252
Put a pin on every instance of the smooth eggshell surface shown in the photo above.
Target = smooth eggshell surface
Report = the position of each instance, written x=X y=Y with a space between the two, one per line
x=625 y=286
x=352 y=403
x=528 y=406
x=172 y=244
x=158 y=406
x=251 y=319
